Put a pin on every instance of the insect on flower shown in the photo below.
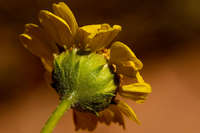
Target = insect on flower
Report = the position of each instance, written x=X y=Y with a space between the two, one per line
x=86 y=68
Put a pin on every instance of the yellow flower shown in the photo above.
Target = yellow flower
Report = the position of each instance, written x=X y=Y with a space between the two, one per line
x=59 y=42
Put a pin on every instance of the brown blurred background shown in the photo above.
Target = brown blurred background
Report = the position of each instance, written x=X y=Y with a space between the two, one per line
x=165 y=35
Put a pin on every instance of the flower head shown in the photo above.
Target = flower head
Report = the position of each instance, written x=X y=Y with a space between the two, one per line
x=84 y=66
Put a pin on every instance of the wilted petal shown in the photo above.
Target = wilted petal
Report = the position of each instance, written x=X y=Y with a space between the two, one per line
x=84 y=120
x=106 y=116
x=111 y=114
x=58 y=28
x=63 y=11
x=96 y=37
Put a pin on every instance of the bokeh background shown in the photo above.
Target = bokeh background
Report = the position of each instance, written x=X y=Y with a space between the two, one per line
x=165 y=35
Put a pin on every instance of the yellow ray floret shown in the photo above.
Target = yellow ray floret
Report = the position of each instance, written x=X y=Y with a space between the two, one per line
x=63 y=11
x=136 y=91
x=34 y=30
x=39 y=44
x=28 y=42
x=58 y=28
x=96 y=37
x=127 y=111
x=124 y=59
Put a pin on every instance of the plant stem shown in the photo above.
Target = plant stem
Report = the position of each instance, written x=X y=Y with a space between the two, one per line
x=64 y=105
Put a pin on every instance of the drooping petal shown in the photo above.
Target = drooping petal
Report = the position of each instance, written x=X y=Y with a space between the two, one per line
x=84 y=120
x=124 y=59
x=111 y=114
x=63 y=11
x=58 y=28
x=97 y=37
x=34 y=30
x=38 y=50
x=136 y=91
x=29 y=43
x=37 y=42
x=33 y=41
x=127 y=111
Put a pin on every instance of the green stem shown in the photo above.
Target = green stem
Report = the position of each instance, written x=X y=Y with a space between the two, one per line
x=64 y=105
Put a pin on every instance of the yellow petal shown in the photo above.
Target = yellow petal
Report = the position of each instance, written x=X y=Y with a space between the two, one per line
x=37 y=49
x=126 y=68
x=63 y=11
x=84 y=120
x=56 y=27
x=127 y=111
x=96 y=37
x=34 y=30
x=125 y=60
x=111 y=114
x=85 y=33
x=37 y=42
x=136 y=91
x=137 y=88
x=29 y=42
x=137 y=97
x=139 y=77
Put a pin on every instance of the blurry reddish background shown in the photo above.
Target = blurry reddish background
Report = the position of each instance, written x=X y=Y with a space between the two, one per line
x=165 y=35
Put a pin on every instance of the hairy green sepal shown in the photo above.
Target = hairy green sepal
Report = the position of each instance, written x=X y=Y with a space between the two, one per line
x=86 y=77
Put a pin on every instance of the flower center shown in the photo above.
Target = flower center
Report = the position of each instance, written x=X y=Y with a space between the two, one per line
x=86 y=77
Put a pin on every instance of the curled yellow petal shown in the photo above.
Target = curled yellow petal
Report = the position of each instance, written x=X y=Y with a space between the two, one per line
x=111 y=114
x=84 y=120
x=58 y=28
x=136 y=91
x=124 y=59
x=63 y=11
x=96 y=37
x=127 y=111
x=126 y=68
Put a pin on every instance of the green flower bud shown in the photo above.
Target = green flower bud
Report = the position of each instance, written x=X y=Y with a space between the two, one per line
x=86 y=77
